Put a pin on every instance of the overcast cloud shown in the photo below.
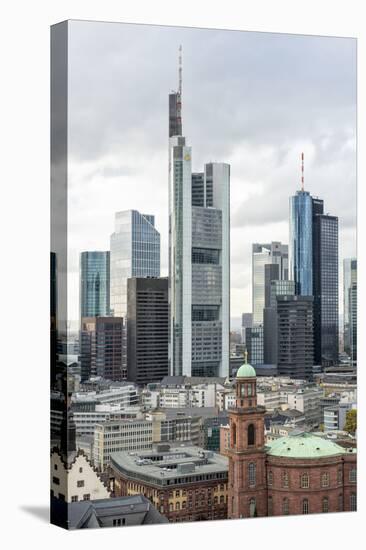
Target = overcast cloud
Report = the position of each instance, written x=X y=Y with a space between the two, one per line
x=254 y=100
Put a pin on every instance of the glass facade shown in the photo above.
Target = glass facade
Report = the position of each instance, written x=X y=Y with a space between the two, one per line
x=300 y=242
x=325 y=289
x=263 y=254
x=349 y=280
x=94 y=284
x=135 y=252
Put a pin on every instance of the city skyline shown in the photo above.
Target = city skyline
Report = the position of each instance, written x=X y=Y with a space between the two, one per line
x=261 y=142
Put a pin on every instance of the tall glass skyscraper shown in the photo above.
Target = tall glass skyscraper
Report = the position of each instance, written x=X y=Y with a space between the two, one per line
x=349 y=308
x=94 y=284
x=263 y=254
x=325 y=288
x=135 y=252
x=313 y=265
x=199 y=249
x=301 y=242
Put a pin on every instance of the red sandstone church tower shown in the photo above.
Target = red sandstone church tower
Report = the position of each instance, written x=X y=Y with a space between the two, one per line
x=247 y=495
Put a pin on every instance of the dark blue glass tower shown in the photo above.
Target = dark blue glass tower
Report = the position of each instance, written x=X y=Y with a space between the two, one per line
x=301 y=242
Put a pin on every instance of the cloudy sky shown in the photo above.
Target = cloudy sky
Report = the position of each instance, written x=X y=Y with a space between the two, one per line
x=254 y=100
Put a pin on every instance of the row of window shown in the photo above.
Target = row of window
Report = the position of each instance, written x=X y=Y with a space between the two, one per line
x=304 y=478
x=305 y=505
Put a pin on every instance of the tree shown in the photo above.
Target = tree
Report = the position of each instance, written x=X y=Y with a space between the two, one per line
x=351 y=421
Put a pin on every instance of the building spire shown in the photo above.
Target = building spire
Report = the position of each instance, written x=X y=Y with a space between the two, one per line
x=302 y=171
x=180 y=69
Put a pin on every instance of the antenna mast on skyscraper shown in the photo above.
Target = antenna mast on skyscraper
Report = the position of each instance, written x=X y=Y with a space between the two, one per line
x=180 y=71
x=302 y=171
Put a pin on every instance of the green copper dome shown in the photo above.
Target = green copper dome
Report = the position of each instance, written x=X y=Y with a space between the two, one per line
x=246 y=371
x=303 y=445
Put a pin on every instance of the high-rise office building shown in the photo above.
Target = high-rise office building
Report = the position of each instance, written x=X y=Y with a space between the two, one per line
x=352 y=316
x=313 y=265
x=270 y=328
x=101 y=348
x=254 y=344
x=263 y=254
x=148 y=327
x=199 y=248
x=135 y=252
x=246 y=322
x=94 y=284
x=349 y=279
x=325 y=286
x=295 y=336
x=301 y=242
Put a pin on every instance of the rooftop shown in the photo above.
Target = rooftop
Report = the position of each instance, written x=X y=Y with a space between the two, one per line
x=303 y=445
x=167 y=463
x=246 y=371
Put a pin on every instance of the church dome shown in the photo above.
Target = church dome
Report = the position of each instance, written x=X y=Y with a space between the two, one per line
x=246 y=371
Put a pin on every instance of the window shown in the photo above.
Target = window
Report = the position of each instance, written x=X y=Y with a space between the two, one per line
x=177 y=505
x=170 y=507
x=80 y=470
x=353 y=475
x=325 y=505
x=252 y=507
x=222 y=499
x=285 y=479
x=252 y=474
x=86 y=497
x=55 y=480
x=270 y=506
x=353 y=502
x=80 y=483
x=249 y=390
x=270 y=478
x=55 y=466
x=340 y=503
x=285 y=506
x=305 y=506
x=184 y=504
x=74 y=498
x=325 y=480
x=340 y=476
x=251 y=434
x=177 y=493
x=304 y=481
x=234 y=433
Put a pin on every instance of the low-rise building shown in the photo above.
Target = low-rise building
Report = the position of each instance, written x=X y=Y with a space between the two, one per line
x=184 y=483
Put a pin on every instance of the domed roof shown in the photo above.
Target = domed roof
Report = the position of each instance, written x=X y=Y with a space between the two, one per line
x=304 y=445
x=246 y=371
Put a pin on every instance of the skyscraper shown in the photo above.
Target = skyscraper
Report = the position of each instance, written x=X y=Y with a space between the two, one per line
x=325 y=287
x=349 y=279
x=352 y=315
x=313 y=263
x=199 y=248
x=246 y=322
x=101 y=348
x=301 y=242
x=94 y=284
x=295 y=336
x=148 y=324
x=270 y=327
x=263 y=254
x=135 y=252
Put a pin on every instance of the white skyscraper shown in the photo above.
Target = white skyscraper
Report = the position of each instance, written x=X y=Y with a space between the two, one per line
x=199 y=259
x=262 y=254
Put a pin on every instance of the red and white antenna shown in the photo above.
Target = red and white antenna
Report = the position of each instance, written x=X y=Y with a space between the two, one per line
x=180 y=70
x=302 y=171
